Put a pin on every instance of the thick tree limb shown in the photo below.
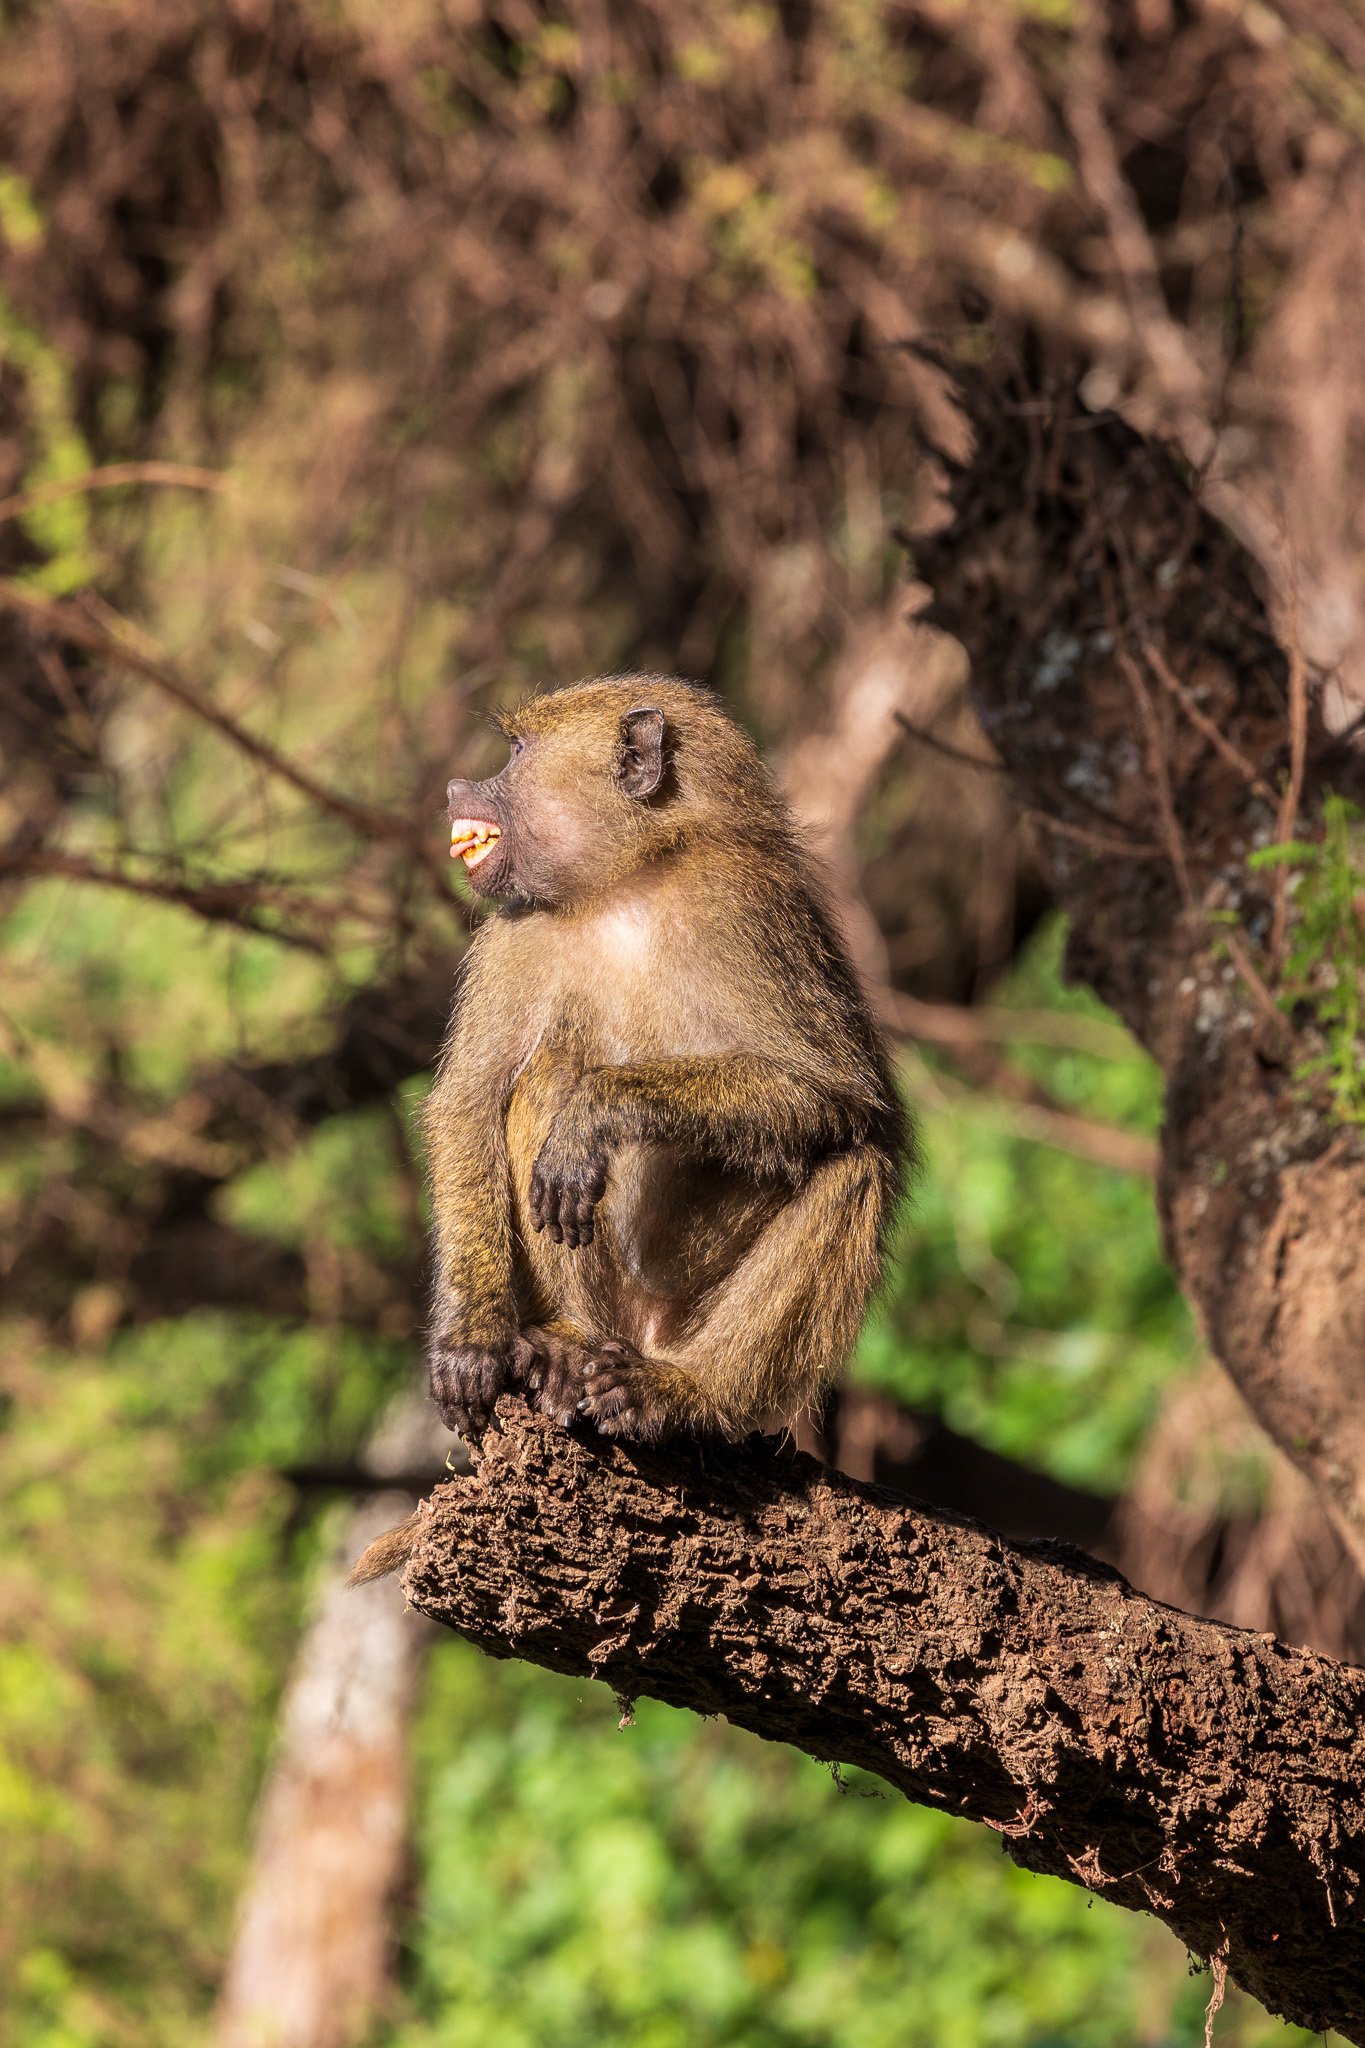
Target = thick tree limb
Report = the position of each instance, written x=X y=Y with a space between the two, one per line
x=1213 y=1778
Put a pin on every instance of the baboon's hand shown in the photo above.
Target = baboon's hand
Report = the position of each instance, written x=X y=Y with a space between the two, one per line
x=567 y=1182
x=466 y=1380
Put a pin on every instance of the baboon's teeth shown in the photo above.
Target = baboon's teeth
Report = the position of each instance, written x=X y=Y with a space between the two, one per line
x=472 y=840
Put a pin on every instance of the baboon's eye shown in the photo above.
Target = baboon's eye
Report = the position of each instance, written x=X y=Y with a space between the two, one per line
x=516 y=743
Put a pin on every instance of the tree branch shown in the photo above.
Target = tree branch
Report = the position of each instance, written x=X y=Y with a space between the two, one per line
x=112 y=476
x=251 y=903
x=1211 y=1777
x=116 y=642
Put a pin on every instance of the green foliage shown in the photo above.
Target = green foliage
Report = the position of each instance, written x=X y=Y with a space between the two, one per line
x=674 y=1883
x=195 y=992
x=245 y=1393
x=21 y=220
x=337 y=1188
x=149 y=1601
x=144 y=1621
x=1325 y=968
x=374 y=566
x=1030 y=1306
x=58 y=449
x=677 y=1883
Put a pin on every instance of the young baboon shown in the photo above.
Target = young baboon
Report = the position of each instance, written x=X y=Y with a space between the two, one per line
x=664 y=1140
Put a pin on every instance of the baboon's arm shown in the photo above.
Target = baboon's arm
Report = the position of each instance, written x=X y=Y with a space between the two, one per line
x=473 y=1302
x=753 y=1112
x=756 y=1115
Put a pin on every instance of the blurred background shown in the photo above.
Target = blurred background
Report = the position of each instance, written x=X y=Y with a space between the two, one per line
x=362 y=367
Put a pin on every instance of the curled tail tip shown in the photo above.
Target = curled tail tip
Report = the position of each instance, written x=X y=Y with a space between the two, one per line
x=388 y=1553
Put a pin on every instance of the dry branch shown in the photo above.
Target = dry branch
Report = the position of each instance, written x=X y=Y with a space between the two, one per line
x=112 y=476
x=247 y=903
x=970 y=1026
x=77 y=627
x=1211 y=1777
x=1026 y=1111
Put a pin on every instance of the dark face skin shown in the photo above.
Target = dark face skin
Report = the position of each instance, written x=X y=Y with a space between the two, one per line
x=563 y=816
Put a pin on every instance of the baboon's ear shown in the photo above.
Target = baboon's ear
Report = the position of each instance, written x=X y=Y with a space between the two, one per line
x=640 y=763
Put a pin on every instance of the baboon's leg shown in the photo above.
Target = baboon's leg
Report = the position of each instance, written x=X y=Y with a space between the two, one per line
x=776 y=1331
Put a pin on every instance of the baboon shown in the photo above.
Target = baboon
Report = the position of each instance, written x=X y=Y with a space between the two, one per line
x=664 y=1140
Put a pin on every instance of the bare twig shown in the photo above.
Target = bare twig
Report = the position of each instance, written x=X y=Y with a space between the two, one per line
x=1084 y=835
x=76 y=626
x=1218 y=1967
x=1164 y=344
x=1102 y=1144
x=238 y=903
x=1200 y=720
x=886 y=665
x=946 y=747
x=183 y=476
x=1255 y=984
x=1293 y=794
x=970 y=1025
x=1028 y=1112
x=1160 y=772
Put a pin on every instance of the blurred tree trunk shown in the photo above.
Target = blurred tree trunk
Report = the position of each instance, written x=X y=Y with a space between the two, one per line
x=311 y=1958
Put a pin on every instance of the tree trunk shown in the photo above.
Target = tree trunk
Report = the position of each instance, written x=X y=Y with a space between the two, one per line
x=1209 y=1776
x=1124 y=667
x=310 y=1961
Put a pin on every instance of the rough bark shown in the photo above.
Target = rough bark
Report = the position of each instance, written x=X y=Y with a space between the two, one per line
x=1211 y=1777
x=1124 y=668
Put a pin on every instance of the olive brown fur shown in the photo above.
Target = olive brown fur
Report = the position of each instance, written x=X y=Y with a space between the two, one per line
x=664 y=1140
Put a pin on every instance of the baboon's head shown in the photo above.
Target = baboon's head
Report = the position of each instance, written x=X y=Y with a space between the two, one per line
x=602 y=780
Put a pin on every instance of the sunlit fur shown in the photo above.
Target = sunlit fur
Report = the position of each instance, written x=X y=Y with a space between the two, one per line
x=663 y=987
